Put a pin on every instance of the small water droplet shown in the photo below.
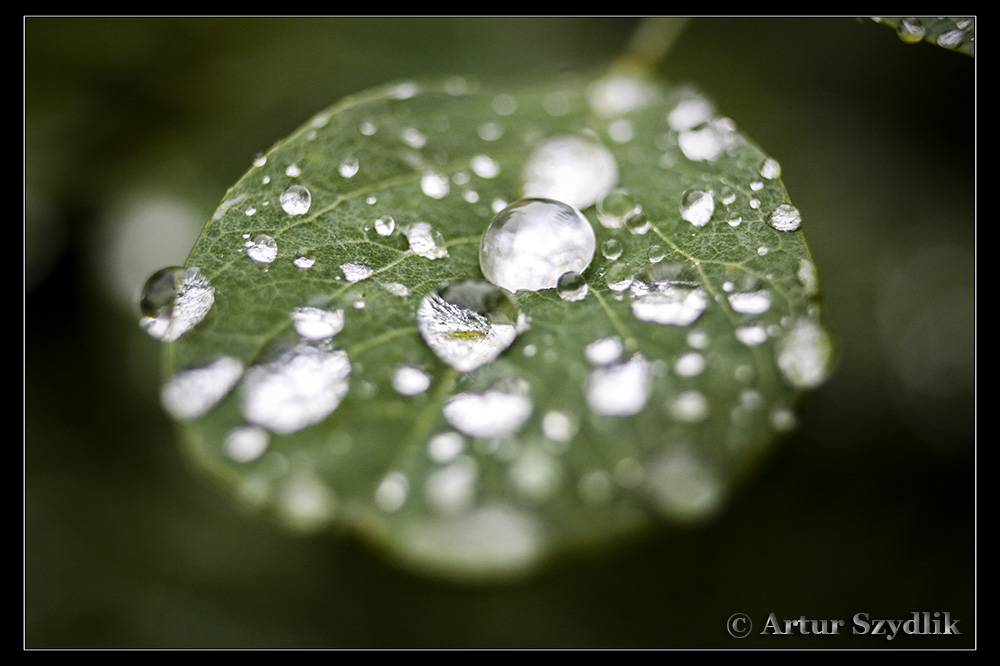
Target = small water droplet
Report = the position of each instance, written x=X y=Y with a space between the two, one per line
x=413 y=137
x=530 y=244
x=690 y=113
x=690 y=364
x=349 y=167
x=621 y=389
x=615 y=207
x=750 y=302
x=355 y=271
x=469 y=323
x=751 y=335
x=697 y=207
x=682 y=486
x=572 y=287
x=485 y=167
x=445 y=447
x=260 y=160
x=808 y=277
x=494 y=413
x=173 y=301
x=392 y=491
x=655 y=254
x=193 y=392
x=396 y=289
x=535 y=474
x=618 y=277
x=435 y=185
x=558 y=426
x=637 y=223
x=595 y=487
x=571 y=168
x=314 y=323
x=604 y=351
x=263 y=249
x=425 y=240
x=408 y=380
x=245 y=443
x=770 y=169
x=611 y=249
x=785 y=218
x=300 y=387
x=689 y=407
x=304 y=258
x=805 y=354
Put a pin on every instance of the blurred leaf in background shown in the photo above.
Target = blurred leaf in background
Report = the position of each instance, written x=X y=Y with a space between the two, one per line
x=135 y=127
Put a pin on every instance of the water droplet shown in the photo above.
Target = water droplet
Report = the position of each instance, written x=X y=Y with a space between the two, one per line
x=245 y=443
x=604 y=351
x=496 y=412
x=355 y=271
x=750 y=302
x=191 y=393
x=655 y=254
x=392 y=492
x=682 y=486
x=558 y=426
x=296 y=200
x=304 y=258
x=785 y=218
x=485 y=167
x=174 y=300
x=689 y=407
x=617 y=94
x=314 y=323
x=662 y=294
x=611 y=248
x=690 y=113
x=535 y=474
x=396 y=289
x=770 y=169
x=950 y=39
x=425 y=241
x=349 y=167
x=690 y=364
x=469 y=323
x=263 y=249
x=621 y=389
x=445 y=447
x=435 y=185
x=808 y=277
x=751 y=335
x=570 y=168
x=530 y=244
x=697 y=207
x=615 y=207
x=302 y=386
x=413 y=137
x=572 y=287
x=618 y=277
x=637 y=223
x=260 y=160
x=408 y=380
x=595 y=487
x=805 y=354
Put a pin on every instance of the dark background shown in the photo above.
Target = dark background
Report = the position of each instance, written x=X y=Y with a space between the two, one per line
x=135 y=127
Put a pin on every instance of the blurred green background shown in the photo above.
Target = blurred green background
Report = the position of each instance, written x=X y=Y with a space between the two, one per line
x=135 y=127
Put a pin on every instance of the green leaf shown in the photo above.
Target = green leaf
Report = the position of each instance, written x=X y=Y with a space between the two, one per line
x=609 y=411
x=955 y=33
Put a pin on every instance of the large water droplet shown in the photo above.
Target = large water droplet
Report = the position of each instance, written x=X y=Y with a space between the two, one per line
x=173 y=301
x=805 y=354
x=575 y=169
x=469 y=323
x=531 y=243
x=697 y=207
x=785 y=218
x=191 y=393
x=303 y=386
x=296 y=200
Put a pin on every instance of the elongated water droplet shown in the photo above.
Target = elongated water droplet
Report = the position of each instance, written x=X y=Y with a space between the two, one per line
x=302 y=386
x=467 y=324
x=191 y=393
x=296 y=200
x=805 y=354
x=531 y=243
x=575 y=169
x=785 y=218
x=174 y=300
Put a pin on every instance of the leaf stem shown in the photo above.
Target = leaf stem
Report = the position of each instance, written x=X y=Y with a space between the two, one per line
x=650 y=43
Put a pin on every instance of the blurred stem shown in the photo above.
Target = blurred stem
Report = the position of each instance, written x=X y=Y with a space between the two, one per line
x=650 y=44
